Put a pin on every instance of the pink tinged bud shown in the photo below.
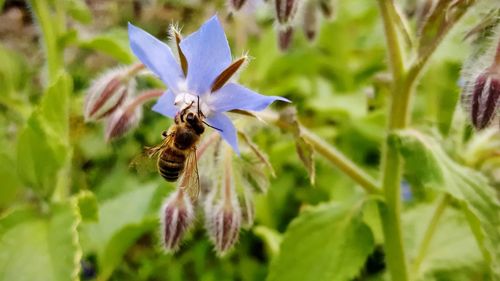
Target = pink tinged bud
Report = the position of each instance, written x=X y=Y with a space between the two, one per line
x=177 y=216
x=236 y=4
x=310 y=20
x=285 y=37
x=485 y=99
x=122 y=120
x=285 y=10
x=107 y=94
x=224 y=229
x=327 y=8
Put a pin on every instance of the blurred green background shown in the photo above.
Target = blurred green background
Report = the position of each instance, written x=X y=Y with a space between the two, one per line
x=337 y=83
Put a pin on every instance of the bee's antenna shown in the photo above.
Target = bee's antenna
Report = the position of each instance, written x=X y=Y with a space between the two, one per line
x=220 y=130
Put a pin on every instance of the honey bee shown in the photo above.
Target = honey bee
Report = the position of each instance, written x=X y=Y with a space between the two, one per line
x=176 y=154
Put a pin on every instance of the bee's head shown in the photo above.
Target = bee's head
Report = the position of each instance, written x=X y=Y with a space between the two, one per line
x=194 y=121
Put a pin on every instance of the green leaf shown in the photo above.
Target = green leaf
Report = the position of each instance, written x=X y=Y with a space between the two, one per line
x=327 y=242
x=40 y=248
x=79 y=11
x=121 y=221
x=11 y=184
x=272 y=239
x=87 y=204
x=113 y=43
x=43 y=146
x=452 y=250
x=429 y=165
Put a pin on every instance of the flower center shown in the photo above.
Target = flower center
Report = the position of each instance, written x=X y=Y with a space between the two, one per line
x=184 y=100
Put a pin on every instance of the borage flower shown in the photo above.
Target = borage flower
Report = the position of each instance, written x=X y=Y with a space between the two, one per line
x=201 y=78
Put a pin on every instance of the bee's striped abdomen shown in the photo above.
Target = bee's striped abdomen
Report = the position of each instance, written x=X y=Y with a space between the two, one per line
x=171 y=163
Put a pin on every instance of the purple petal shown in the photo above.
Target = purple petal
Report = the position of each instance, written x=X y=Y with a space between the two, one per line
x=208 y=54
x=165 y=104
x=234 y=96
x=156 y=55
x=228 y=131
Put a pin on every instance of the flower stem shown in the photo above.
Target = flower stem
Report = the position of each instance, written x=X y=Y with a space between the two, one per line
x=390 y=210
x=43 y=15
x=328 y=151
x=429 y=233
x=341 y=161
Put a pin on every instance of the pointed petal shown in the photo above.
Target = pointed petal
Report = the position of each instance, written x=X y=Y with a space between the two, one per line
x=165 y=105
x=233 y=96
x=228 y=133
x=208 y=54
x=156 y=55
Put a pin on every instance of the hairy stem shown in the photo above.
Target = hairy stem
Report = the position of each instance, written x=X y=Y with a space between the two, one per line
x=328 y=151
x=390 y=210
x=429 y=233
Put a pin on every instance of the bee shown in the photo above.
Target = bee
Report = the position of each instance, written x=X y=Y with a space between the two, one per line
x=176 y=154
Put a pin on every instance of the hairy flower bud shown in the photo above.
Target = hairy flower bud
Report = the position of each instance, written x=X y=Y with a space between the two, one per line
x=285 y=36
x=122 y=120
x=107 y=94
x=485 y=99
x=310 y=20
x=327 y=8
x=224 y=226
x=285 y=10
x=177 y=216
x=236 y=4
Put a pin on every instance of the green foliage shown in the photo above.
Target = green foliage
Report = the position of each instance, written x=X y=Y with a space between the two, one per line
x=72 y=208
x=317 y=243
x=453 y=251
x=43 y=147
x=40 y=247
x=121 y=221
x=113 y=43
x=429 y=165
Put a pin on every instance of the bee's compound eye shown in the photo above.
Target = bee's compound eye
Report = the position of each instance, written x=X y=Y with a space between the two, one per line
x=190 y=117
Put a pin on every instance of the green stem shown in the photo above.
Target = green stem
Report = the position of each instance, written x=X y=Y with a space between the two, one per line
x=43 y=15
x=429 y=233
x=338 y=159
x=390 y=210
x=328 y=151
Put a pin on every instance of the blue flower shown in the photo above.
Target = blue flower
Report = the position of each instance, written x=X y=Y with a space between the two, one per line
x=209 y=67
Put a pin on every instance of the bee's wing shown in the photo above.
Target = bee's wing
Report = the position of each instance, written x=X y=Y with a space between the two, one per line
x=146 y=161
x=190 y=180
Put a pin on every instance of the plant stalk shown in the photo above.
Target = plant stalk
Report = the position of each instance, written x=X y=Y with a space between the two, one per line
x=53 y=53
x=390 y=210
x=333 y=155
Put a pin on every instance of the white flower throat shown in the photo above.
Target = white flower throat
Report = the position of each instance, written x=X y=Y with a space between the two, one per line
x=184 y=100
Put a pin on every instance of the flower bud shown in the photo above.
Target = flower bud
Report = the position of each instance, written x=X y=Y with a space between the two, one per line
x=107 y=93
x=236 y=4
x=177 y=216
x=224 y=226
x=327 y=8
x=310 y=20
x=285 y=11
x=483 y=99
x=285 y=37
x=123 y=119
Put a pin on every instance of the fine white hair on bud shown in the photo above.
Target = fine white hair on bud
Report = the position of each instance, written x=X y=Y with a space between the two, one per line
x=310 y=22
x=122 y=120
x=223 y=216
x=177 y=216
x=107 y=93
x=286 y=11
x=481 y=93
